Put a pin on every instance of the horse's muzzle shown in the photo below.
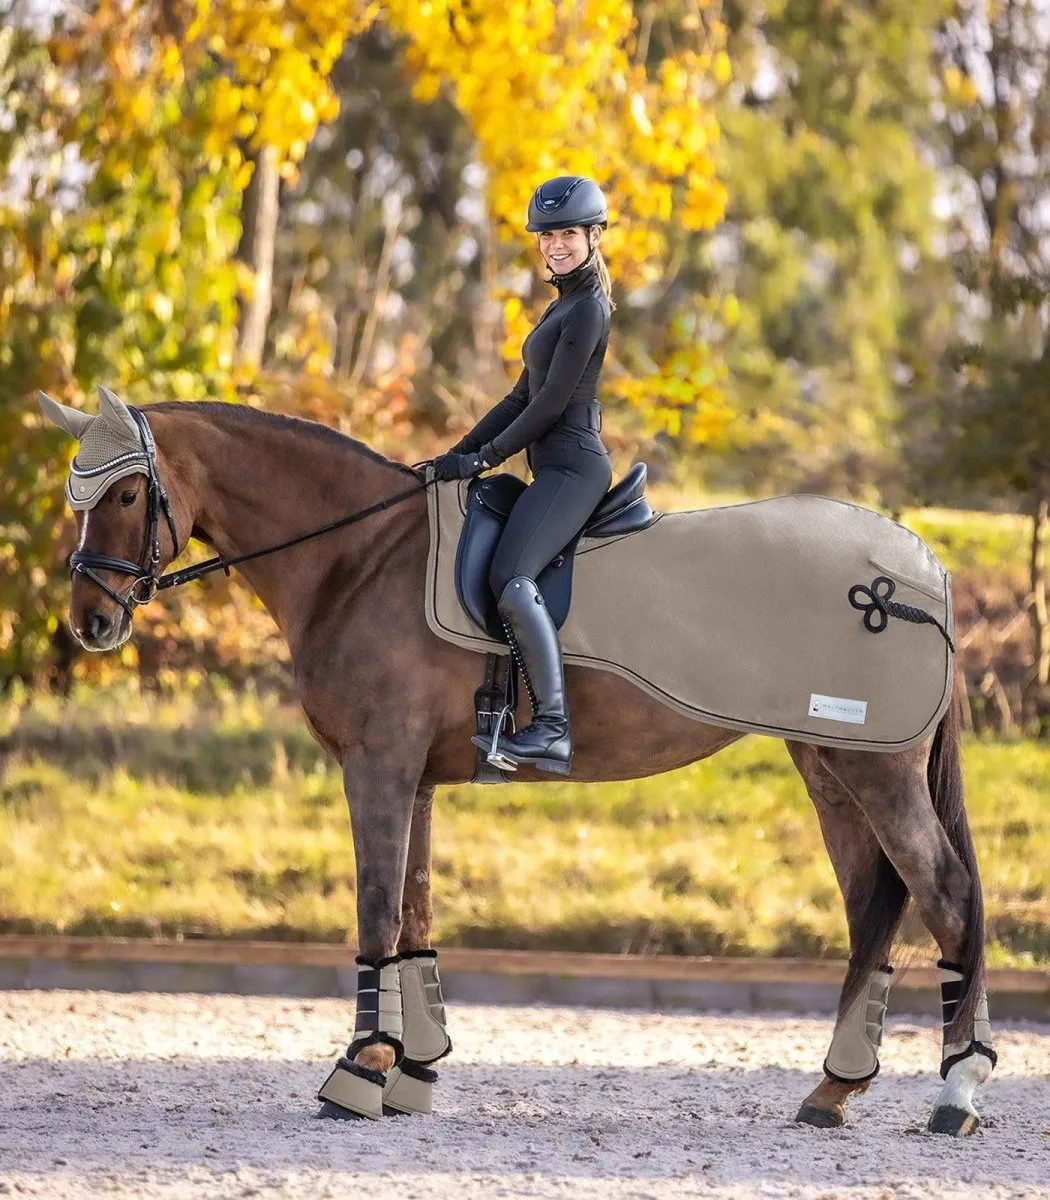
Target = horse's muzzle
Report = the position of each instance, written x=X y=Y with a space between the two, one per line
x=103 y=631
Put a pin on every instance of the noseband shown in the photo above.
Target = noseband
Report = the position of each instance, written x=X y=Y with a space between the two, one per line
x=145 y=580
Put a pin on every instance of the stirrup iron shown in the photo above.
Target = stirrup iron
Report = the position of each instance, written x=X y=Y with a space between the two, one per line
x=495 y=756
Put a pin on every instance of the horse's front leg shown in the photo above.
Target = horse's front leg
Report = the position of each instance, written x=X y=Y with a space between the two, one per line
x=410 y=1085
x=380 y=790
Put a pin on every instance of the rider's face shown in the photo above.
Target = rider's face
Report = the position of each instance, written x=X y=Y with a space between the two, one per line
x=564 y=249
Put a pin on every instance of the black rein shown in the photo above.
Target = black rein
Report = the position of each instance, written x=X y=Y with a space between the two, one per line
x=199 y=570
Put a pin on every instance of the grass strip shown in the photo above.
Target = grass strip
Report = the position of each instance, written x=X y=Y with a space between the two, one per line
x=210 y=814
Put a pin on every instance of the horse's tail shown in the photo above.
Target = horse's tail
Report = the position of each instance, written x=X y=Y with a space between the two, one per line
x=944 y=776
x=887 y=897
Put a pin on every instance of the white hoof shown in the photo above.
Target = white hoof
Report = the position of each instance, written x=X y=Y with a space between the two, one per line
x=954 y=1113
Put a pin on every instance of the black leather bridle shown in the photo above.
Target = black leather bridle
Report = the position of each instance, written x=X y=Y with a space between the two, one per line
x=145 y=582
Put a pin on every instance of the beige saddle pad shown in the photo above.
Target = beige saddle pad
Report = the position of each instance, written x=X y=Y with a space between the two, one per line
x=740 y=616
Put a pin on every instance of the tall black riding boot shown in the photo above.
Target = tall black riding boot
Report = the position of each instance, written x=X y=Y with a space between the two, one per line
x=534 y=642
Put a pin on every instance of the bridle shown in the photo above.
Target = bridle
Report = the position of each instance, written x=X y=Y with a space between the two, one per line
x=146 y=583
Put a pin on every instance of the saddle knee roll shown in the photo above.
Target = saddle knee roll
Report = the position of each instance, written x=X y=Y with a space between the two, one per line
x=853 y=1056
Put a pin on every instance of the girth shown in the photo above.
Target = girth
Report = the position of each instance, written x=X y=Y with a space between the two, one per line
x=623 y=510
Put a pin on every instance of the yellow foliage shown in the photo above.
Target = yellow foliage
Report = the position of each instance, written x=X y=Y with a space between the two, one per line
x=547 y=88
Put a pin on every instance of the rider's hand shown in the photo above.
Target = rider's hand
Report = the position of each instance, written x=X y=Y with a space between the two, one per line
x=457 y=466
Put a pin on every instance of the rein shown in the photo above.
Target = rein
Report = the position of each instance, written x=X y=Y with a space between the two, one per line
x=87 y=562
x=199 y=570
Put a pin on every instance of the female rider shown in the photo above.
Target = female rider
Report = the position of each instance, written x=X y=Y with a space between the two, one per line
x=552 y=413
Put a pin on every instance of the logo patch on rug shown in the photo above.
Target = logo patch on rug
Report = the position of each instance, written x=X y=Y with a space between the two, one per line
x=838 y=708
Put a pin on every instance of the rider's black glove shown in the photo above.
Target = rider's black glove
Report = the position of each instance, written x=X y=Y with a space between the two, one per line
x=458 y=466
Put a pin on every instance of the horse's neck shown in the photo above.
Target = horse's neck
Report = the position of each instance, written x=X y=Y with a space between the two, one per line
x=254 y=485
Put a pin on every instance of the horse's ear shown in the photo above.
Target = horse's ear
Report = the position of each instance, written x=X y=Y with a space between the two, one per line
x=72 y=420
x=115 y=413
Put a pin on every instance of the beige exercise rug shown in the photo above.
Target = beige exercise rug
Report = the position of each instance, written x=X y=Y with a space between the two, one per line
x=740 y=616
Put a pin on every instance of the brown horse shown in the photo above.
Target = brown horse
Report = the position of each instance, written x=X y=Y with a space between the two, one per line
x=394 y=705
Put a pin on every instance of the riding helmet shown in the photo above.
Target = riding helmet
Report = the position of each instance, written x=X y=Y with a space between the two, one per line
x=566 y=201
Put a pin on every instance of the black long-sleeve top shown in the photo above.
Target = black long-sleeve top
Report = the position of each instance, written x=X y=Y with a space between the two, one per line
x=563 y=356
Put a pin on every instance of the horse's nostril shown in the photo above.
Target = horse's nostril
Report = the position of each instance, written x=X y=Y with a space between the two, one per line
x=98 y=625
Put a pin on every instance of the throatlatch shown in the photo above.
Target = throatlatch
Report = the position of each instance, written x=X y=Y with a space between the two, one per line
x=853 y=1056
x=378 y=1020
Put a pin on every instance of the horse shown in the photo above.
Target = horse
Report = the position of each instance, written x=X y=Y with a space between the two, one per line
x=393 y=705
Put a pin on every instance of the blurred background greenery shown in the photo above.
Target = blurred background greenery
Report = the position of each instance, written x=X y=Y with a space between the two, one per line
x=830 y=252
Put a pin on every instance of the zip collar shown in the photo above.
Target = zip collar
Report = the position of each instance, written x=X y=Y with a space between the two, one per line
x=576 y=279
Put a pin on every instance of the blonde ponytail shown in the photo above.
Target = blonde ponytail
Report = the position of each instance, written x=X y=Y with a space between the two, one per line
x=603 y=276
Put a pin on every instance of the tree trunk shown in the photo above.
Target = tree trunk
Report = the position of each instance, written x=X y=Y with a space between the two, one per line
x=1039 y=676
x=259 y=212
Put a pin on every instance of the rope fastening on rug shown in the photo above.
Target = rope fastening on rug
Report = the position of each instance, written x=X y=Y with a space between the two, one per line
x=878 y=608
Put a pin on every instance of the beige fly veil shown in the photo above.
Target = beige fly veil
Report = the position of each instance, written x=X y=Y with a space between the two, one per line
x=110 y=446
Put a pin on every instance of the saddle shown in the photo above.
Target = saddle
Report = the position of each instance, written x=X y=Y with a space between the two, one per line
x=624 y=509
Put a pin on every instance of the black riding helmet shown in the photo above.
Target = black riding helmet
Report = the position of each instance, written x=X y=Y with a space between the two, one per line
x=566 y=201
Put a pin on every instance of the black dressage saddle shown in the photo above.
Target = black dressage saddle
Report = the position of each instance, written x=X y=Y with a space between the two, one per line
x=624 y=509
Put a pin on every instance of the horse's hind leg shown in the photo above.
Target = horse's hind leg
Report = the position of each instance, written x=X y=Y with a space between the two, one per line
x=913 y=800
x=409 y=1087
x=874 y=897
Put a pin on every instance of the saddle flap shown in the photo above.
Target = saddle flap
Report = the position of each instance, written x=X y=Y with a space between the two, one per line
x=489 y=502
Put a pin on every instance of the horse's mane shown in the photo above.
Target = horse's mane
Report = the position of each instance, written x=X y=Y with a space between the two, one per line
x=279 y=421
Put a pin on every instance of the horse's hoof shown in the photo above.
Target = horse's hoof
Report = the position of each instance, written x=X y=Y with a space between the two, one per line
x=820 y=1118
x=332 y=1112
x=954 y=1112
x=356 y=1090
x=956 y=1122
x=409 y=1090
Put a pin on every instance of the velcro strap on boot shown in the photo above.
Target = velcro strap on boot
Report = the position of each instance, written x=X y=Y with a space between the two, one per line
x=425 y=1035
x=953 y=984
x=378 y=1016
x=854 y=1053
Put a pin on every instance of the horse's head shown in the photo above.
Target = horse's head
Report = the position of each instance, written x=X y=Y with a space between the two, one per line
x=127 y=527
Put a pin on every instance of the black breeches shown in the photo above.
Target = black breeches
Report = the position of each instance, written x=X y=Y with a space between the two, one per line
x=549 y=514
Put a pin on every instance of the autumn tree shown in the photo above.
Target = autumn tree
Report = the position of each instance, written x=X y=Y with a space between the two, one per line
x=115 y=239
x=996 y=71
x=142 y=251
x=829 y=234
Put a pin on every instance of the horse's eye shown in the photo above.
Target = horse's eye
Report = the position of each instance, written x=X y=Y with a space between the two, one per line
x=127 y=499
